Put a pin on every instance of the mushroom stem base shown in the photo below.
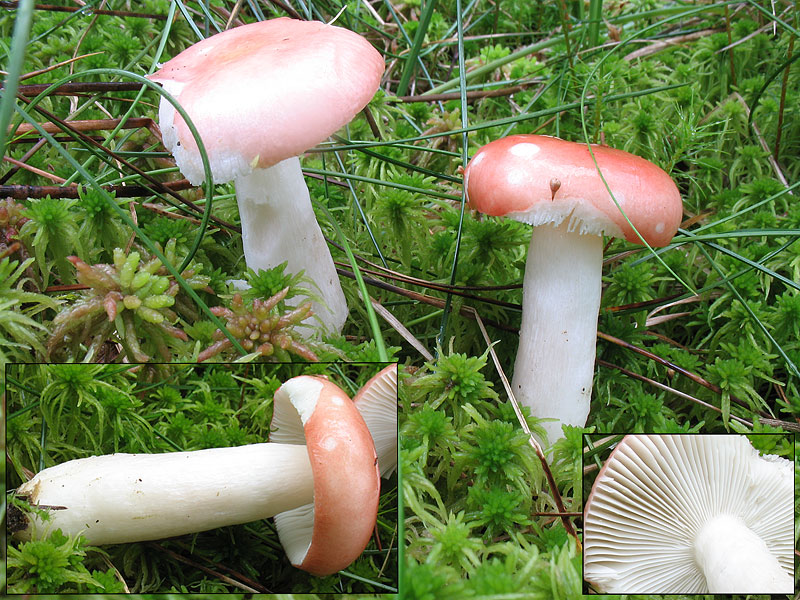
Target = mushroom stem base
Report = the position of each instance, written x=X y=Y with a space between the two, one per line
x=735 y=560
x=561 y=298
x=278 y=224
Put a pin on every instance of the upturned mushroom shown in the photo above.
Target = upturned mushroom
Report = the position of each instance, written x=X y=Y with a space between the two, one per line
x=554 y=185
x=328 y=463
x=325 y=536
x=690 y=514
x=377 y=403
x=260 y=95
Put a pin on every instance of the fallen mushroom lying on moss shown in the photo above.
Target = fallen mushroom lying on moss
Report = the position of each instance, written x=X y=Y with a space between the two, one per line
x=325 y=459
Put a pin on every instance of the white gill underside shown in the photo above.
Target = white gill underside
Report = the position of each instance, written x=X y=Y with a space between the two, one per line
x=295 y=529
x=561 y=299
x=378 y=406
x=656 y=495
x=575 y=214
x=224 y=165
x=121 y=498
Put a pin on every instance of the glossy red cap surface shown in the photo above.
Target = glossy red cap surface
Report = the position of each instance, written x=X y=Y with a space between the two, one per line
x=540 y=179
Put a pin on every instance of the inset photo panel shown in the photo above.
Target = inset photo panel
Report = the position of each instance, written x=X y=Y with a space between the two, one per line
x=259 y=478
x=689 y=514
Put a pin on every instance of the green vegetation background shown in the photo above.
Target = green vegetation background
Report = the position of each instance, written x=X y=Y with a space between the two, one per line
x=702 y=338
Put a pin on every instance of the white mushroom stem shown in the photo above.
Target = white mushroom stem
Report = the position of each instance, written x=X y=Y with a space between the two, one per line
x=278 y=224
x=737 y=561
x=561 y=299
x=120 y=498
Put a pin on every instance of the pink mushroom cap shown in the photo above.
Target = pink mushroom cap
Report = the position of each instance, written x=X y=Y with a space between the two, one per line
x=540 y=179
x=265 y=92
x=327 y=536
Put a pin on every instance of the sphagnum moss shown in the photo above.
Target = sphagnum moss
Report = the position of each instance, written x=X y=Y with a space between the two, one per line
x=683 y=106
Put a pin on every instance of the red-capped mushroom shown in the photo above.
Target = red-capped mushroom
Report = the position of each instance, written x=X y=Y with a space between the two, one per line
x=554 y=185
x=260 y=95
x=325 y=536
x=321 y=459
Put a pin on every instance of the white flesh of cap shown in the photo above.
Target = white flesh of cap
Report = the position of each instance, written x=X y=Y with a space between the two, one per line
x=296 y=526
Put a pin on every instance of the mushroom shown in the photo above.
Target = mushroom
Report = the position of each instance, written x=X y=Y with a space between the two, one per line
x=554 y=185
x=260 y=95
x=690 y=514
x=325 y=536
x=329 y=463
x=377 y=403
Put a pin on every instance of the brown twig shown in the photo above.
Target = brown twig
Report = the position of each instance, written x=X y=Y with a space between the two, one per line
x=88 y=125
x=251 y=586
x=81 y=87
x=688 y=374
x=731 y=62
x=667 y=43
x=439 y=287
x=92 y=11
x=557 y=514
x=23 y=165
x=20 y=192
x=52 y=67
x=762 y=142
x=666 y=388
x=384 y=272
x=465 y=311
x=472 y=95
x=782 y=104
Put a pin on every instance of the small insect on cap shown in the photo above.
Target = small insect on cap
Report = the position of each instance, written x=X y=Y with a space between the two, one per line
x=539 y=179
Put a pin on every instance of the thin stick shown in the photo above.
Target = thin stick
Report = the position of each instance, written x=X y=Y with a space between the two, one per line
x=401 y=329
x=88 y=125
x=464 y=311
x=27 y=167
x=565 y=27
x=49 y=68
x=782 y=105
x=220 y=576
x=667 y=388
x=20 y=192
x=730 y=44
x=94 y=11
x=762 y=142
x=81 y=87
x=473 y=95
x=696 y=378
